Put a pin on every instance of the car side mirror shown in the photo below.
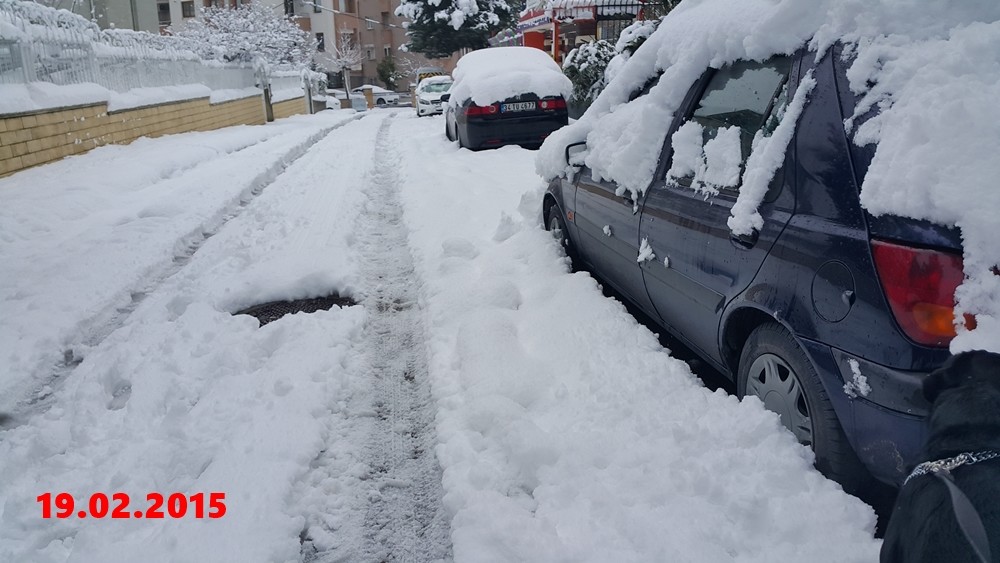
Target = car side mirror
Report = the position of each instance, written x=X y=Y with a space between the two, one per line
x=574 y=154
x=445 y=97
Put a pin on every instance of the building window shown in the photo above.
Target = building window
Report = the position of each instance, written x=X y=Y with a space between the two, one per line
x=317 y=6
x=369 y=24
x=385 y=19
x=388 y=51
x=289 y=7
x=371 y=54
x=320 y=42
x=187 y=9
x=163 y=11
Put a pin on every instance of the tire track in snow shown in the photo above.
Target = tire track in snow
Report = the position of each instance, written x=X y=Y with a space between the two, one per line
x=40 y=397
x=403 y=516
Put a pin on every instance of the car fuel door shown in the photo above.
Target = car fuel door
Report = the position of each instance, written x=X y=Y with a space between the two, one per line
x=700 y=264
x=608 y=229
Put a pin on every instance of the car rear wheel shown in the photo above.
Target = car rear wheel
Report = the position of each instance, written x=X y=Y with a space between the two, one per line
x=447 y=130
x=380 y=102
x=775 y=369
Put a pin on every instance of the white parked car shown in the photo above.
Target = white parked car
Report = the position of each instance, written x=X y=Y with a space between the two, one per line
x=381 y=96
x=428 y=94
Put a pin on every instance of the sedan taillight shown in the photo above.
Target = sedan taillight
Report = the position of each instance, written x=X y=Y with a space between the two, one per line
x=473 y=109
x=551 y=104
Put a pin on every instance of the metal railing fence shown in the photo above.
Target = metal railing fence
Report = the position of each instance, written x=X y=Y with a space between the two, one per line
x=38 y=44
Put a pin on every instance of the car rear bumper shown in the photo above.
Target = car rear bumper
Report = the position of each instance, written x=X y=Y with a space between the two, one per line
x=512 y=131
x=885 y=423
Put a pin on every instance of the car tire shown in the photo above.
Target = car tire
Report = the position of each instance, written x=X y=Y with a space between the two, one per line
x=447 y=131
x=775 y=369
x=380 y=102
x=555 y=225
x=458 y=135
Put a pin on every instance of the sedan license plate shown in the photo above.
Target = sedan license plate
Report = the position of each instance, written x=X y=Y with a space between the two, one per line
x=517 y=106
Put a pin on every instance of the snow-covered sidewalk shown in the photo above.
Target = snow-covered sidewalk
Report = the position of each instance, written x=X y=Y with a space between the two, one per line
x=85 y=238
x=564 y=430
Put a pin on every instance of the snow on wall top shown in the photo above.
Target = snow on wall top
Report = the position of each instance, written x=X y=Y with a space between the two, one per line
x=931 y=69
x=492 y=75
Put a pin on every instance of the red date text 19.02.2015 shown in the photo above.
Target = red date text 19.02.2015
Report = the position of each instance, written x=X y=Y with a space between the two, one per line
x=99 y=505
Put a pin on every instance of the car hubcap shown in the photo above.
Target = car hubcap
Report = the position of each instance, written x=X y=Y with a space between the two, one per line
x=556 y=230
x=777 y=386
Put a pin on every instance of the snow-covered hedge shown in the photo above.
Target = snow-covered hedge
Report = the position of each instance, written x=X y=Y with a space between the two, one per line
x=584 y=66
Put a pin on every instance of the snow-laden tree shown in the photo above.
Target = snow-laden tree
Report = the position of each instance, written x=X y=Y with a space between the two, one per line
x=388 y=72
x=341 y=57
x=249 y=31
x=630 y=39
x=438 y=28
x=584 y=66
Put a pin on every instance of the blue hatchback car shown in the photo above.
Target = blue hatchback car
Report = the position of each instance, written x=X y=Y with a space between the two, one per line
x=829 y=315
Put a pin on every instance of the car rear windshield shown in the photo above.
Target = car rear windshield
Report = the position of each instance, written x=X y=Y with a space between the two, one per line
x=437 y=87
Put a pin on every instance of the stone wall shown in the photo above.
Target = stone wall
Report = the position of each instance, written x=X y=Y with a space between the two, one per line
x=29 y=139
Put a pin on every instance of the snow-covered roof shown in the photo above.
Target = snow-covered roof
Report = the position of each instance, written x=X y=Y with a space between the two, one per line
x=491 y=75
x=931 y=69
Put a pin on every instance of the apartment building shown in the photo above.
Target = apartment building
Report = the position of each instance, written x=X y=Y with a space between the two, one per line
x=139 y=15
x=173 y=13
x=374 y=28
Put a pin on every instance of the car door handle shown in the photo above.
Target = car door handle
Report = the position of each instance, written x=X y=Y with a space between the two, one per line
x=745 y=241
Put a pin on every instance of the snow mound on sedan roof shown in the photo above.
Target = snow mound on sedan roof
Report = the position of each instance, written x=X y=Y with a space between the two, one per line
x=441 y=79
x=930 y=68
x=492 y=75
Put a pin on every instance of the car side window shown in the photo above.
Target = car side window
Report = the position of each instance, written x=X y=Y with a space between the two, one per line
x=749 y=96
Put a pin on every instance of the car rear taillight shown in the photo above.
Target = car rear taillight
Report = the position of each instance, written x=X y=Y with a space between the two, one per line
x=552 y=104
x=920 y=286
x=473 y=109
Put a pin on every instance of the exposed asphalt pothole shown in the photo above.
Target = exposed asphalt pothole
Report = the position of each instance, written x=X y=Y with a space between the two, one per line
x=274 y=310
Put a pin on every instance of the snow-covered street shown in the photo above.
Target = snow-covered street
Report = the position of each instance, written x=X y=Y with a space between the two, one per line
x=480 y=403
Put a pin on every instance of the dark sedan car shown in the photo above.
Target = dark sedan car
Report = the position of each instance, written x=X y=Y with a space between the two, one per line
x=830 y=315
x=505 y=96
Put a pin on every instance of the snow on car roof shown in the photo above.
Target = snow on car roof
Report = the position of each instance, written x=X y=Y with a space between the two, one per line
x=372 y=87
x=491 y=75
x=441 y=79
x=932 y=72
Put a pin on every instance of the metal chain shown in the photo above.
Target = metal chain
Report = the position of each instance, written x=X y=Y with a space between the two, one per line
x=967 y=458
